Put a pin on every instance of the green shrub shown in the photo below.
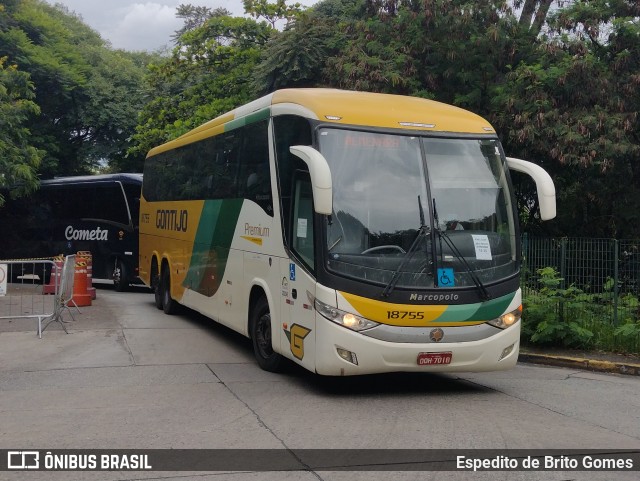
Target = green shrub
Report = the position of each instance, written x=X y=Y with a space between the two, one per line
x=570 y=317
x=556 y=316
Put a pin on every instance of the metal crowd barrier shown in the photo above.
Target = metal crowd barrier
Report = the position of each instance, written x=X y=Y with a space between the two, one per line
x=41 y=289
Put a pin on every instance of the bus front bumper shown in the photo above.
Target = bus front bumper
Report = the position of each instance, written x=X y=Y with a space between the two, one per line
x=495 y=353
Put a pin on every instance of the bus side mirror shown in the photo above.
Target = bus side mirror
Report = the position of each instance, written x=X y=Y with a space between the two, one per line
x=320 y=177
x=544 y=185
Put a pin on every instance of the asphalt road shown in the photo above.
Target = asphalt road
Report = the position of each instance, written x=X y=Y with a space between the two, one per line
x=130 y=377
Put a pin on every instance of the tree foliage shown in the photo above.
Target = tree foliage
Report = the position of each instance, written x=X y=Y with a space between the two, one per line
x=297 y=56
x=88 y=94
x=209 y=73
x=272 y=12
x=195 y=16
x=574 y=107
x=397 y=47
x=19 y=159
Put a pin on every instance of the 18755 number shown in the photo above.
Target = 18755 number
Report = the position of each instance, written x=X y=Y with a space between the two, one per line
x=405 y=315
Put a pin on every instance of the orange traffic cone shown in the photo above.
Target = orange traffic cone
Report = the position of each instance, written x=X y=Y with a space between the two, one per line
x=55 y=277
x=81 y=296
x=86 y=256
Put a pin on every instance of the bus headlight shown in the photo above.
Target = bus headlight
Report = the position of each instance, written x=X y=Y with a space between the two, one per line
x=508 y=319
x=343 y=318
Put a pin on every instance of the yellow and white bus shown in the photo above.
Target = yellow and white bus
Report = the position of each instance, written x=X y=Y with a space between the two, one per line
x=349 y=232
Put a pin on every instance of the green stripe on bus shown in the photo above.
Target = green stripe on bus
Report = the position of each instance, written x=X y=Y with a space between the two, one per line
x=211 y=245
x=481 y=311
x=248 y=119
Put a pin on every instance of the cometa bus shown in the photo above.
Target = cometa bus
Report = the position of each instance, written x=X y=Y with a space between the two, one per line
x=349 y=232
x=94 y=213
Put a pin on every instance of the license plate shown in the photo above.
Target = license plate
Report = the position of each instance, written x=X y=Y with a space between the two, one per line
x=434 y=358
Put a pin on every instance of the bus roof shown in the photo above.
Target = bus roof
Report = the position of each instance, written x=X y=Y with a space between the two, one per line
x=91 y=179
x=347 y=108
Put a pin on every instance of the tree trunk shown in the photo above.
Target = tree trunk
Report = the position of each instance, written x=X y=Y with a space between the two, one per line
x=527 y=12
x=541 y=16
x=532 y=19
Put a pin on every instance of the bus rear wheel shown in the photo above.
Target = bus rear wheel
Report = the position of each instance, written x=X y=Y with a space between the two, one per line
x=260 y=330
x=156 y=285
x=169 y=305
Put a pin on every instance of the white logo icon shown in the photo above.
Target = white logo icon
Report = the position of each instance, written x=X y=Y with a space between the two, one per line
x=23 y=460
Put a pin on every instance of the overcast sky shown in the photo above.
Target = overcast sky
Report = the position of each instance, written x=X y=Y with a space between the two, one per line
x=140 y=25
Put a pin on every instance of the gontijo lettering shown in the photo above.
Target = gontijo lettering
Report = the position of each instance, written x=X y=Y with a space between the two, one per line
x=172 y=220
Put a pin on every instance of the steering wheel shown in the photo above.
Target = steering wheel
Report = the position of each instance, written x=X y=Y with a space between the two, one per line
x=385 y=247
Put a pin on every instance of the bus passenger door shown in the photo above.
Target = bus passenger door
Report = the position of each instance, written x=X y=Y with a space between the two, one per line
x=298 y=284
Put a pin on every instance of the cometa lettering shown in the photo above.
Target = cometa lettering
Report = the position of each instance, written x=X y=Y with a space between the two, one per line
x=79 y=234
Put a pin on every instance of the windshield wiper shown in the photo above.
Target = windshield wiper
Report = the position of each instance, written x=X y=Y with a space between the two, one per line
x=422 y=232
x=474 y=277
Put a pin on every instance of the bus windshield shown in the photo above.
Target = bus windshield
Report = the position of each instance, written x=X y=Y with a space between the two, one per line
x=390 y=189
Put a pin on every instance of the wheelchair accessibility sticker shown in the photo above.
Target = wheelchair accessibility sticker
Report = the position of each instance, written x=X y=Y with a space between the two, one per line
x=446 y=277
x=292 y=272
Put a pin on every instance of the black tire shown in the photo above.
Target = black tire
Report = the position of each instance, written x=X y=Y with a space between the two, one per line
x=120 y=276
x=169 y=305
x=157 y=290
x=260 y=330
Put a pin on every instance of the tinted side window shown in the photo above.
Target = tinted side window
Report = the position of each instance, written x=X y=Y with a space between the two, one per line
x=254 y=177
x=69 y=202
x=109 y=203
x=234 y=164
x=103 y=201
x=203 y=170
x=223 y=171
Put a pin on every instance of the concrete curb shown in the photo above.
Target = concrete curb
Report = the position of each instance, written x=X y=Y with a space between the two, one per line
x=628 y=368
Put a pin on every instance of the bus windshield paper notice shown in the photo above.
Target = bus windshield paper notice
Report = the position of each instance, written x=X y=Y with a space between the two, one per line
x=483 y=249
x=302 y=228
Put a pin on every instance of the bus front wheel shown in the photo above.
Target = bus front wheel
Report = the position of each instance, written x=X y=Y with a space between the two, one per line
x=120 y=276
x=260 y=330
x=169 y=305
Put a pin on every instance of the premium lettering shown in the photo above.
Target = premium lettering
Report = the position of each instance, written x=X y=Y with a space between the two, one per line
x=256 y=230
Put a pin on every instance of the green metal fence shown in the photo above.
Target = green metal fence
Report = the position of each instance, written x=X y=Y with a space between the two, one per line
x=605 y=271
